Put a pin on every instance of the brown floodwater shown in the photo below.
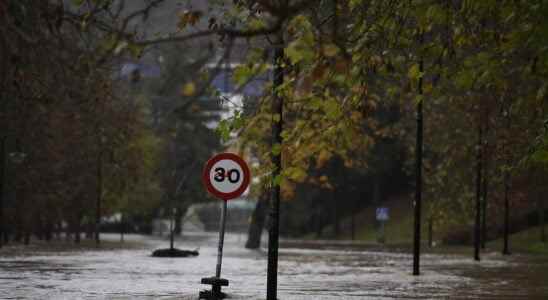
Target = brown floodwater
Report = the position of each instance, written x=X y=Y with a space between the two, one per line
x=303 y=274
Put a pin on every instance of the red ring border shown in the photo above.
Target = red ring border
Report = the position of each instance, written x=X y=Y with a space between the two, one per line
x=231 y=156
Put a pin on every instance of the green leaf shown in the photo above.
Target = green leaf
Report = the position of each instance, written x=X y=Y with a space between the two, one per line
x=276 y=181
x=330 y=50
x=414 y=72
x=276 y=149
x=296 y=174
x=332 y=109
x=223 y=129
x=242 y=74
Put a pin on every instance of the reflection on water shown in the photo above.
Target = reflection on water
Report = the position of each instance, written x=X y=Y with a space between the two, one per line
x=304 y=274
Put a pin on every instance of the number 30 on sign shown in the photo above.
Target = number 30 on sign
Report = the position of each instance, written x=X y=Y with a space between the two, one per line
x=226 y=176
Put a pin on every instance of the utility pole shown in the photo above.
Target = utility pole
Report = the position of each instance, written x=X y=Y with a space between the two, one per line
x=277 y=126
x=418 y=177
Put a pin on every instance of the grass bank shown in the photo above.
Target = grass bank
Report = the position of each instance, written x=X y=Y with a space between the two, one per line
x=56 y=246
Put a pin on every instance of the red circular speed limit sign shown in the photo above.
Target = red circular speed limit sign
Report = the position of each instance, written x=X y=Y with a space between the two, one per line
x=226 y=176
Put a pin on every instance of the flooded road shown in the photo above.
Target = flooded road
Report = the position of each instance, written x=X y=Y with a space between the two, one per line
x=304 y=274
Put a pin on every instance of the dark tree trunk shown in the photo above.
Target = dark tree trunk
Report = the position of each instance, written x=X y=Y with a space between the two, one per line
x=485 y=185
x=418 y=178
x=430 y=232
x=336 y=217
x=257 y=221
x=77 y=230
x=319 y=222
x=48 y=231
x=122 y=227
x=178 y=221
x=506 y=247
x=506 y=152
x=171 y=229
x=99 y=197
x=352 y=226
x=89 y=229
x=2 y=188
x=277 y=127
x=541 y=214
x=477 y=224
x=26 y=239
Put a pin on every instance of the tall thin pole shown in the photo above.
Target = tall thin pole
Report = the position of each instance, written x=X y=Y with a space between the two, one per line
x=541 y=218
x=273 y=235
x=171 y=225
x=477 y=225
x=2 y=186
x=485 y=185
x=506 y=152
x=221 y=240
x=506 y=247
x=418 y=177
x=99 y=197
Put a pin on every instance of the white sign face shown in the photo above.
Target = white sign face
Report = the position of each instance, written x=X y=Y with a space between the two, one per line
x=226 y=176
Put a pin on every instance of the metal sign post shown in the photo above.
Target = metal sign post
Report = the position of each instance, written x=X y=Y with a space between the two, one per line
x=221 y=241
x=382 y=217
x=225 y=176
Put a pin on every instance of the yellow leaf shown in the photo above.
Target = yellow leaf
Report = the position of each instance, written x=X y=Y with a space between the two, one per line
x=330 y=50
x=189 y=89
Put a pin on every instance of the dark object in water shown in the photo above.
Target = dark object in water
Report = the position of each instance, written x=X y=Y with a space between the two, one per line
x=174 y=252
x=215 y=293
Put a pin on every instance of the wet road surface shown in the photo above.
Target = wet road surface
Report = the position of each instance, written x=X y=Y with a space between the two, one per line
x=304 y=274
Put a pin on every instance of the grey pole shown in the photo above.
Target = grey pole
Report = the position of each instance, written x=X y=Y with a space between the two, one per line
x=221 y=241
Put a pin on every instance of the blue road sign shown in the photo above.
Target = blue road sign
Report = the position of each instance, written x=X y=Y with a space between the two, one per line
x=382 y=214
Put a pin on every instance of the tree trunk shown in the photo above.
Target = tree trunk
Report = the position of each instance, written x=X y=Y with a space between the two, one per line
x=477 y=224
x=257 y=221
x=418 y=179
x=506 y=248
x=171 y=229
x=178 y=221
x=352 y=226
x=2 y=187
x=48 y=232
x=336 y=218
x=99 y=197
x=485 y=186
x=541 y=214
x=430 y=232
x=26 y=239
x=122 y=228
x=277 y=127
x=77 y=230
